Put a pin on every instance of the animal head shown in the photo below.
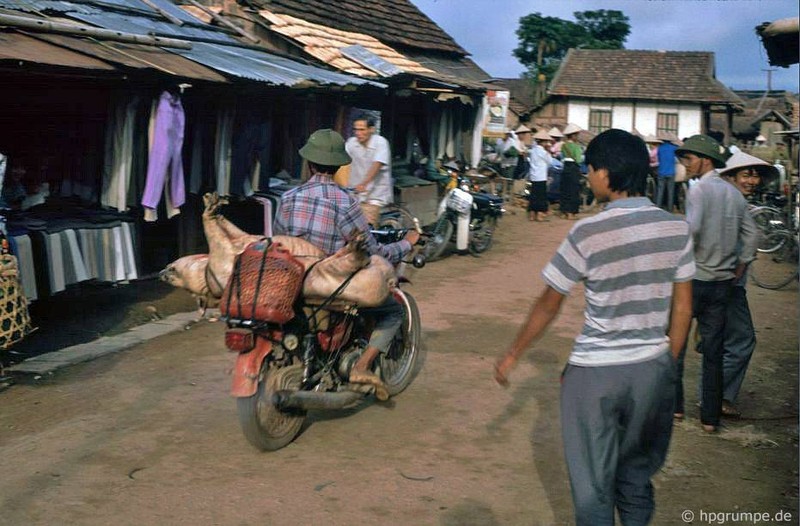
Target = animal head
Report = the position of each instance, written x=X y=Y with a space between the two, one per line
x=187 y=273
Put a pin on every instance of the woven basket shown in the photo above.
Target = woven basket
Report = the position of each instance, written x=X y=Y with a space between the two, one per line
x=15 y=323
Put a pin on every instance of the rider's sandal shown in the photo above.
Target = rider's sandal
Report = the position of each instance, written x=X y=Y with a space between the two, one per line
x=366 y=377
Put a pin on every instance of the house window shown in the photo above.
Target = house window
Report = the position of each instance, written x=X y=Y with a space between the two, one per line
x=667 y=123
x=599 y=120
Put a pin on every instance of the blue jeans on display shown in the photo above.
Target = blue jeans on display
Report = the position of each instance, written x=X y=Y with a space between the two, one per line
x=665 y=185
x=709 y=305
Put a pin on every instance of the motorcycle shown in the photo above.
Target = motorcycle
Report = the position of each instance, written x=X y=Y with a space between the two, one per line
x=285 y=368
x=467 y=215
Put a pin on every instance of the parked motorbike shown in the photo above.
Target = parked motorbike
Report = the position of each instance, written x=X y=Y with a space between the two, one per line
x=466 y=215
x=284 y=368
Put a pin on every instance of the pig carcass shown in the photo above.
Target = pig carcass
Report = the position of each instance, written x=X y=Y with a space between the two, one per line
x=371 y=277
x=205 y=275
x=189 y=273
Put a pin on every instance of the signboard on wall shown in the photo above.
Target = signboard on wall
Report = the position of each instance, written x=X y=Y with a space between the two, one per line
x=495 y=119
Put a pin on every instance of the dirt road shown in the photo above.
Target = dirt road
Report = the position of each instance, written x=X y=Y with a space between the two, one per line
x=150 y=435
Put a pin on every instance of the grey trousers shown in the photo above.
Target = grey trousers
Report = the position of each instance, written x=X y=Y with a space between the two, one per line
x=616 y=424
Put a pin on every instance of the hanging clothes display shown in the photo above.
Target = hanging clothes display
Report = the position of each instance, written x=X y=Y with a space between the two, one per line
x=119 y=153
x=222 y=149
x=250 y=151
x=165 y=163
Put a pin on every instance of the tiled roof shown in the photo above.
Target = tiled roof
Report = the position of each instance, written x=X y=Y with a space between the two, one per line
x=325 y=44
x=391 y=21
x=641 y=75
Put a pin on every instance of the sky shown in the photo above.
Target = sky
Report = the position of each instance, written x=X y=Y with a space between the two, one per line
x=487 y=30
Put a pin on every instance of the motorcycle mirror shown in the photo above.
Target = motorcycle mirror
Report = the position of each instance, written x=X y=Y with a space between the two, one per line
x=418 y=261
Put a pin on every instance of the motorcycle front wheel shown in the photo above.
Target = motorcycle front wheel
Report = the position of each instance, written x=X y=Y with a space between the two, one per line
x=481 y=239
x=441 y=233
x=401 y=363
x=264 y=425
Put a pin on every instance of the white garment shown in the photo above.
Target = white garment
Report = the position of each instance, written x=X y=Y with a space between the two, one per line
x=540 y=161
x=380 y=191
x=119 y=151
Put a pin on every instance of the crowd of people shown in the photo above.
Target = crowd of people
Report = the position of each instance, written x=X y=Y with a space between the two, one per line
x=533 y=157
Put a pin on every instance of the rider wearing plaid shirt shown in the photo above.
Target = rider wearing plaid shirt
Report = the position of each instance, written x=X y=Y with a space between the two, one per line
x=327 y=216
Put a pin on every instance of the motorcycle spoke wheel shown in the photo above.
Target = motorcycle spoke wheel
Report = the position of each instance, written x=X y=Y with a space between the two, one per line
x=481 y=239
x=777 y=268
x=264 y=425
x=439 y=239
x=401 y=363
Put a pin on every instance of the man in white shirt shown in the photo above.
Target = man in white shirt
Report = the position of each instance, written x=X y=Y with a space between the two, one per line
x=370 y=171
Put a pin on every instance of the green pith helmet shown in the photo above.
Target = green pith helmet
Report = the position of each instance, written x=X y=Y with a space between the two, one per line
x=325 y=147
x=705 y=146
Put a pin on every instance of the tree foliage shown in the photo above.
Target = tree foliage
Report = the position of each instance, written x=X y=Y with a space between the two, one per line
x=545 y=40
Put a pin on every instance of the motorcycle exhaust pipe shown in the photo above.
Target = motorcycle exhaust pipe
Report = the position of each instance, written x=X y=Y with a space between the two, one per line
x=307 y=400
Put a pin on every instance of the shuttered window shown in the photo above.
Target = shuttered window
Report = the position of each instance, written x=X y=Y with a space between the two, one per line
x=667 y=123
x=599 y=120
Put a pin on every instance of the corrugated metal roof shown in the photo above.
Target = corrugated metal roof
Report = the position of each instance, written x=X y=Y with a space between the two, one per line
x=137 y=56
x=98 y=7
x=21 y=48
x=129 y=16
x=260 y=66
x=326 y=43
x=148 y=26
x=133 y=16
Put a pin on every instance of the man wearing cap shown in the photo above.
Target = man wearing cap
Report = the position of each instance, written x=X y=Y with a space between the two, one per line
x=370 y=172
x=725 y=240
x=746 y=173
x=327 y=216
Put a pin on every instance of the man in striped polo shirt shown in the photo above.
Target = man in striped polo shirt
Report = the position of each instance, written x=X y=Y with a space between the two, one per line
x=618 y=390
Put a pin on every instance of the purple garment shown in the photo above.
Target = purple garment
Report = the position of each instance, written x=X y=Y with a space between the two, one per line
x=165 y=153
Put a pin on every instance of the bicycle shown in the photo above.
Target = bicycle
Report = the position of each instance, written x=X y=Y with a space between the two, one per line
x=776 y=264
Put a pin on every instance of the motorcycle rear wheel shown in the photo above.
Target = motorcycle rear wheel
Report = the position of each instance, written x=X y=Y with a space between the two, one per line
x=264 y=425
x=481 y=239
x=441 y=233
x=400 y=365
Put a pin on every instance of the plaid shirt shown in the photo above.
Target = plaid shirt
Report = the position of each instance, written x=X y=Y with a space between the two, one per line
x=327 y=216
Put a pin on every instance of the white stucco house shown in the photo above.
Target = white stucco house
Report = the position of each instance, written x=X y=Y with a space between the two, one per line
x=649 y=92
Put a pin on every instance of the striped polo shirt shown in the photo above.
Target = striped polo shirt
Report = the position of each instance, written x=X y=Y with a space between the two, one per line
x=628 y=257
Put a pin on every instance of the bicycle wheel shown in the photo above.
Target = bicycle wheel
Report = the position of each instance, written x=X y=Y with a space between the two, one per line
x=778 y=268
x=769 y=220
